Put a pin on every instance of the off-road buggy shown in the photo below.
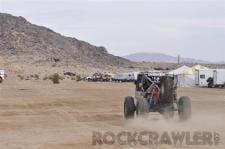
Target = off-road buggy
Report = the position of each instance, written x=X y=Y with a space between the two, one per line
x=157 y=93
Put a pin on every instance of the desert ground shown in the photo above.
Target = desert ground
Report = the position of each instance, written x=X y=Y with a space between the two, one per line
x=41 y=115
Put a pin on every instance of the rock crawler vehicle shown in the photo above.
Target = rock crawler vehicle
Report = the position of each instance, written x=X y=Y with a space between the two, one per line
x=157 y=93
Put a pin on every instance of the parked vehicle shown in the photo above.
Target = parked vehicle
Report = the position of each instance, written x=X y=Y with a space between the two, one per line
x=100 y=77
x=124 y=77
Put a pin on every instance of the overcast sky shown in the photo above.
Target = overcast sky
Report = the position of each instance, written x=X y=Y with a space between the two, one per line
x=191 y=28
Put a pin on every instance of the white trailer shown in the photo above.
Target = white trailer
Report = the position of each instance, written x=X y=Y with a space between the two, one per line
x=124 y=77
x=219 y=77
x=202 y=77
x=2 y=75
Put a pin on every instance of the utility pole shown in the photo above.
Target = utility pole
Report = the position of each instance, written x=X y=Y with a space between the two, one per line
x=178 y=59
x=1 y=10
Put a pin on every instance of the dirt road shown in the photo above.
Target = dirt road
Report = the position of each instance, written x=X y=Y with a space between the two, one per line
x=40 y=115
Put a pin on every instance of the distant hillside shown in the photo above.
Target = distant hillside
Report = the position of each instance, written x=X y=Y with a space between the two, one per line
x=150 y=57
x=27 y=46
x=159 y=57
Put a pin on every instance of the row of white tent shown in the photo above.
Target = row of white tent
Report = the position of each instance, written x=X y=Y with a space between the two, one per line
x=187 y=76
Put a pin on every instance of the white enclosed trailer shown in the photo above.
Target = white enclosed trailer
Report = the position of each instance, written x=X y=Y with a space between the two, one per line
x=219 y=77
x=124 y=77
x=202 y=77
x=2 y=75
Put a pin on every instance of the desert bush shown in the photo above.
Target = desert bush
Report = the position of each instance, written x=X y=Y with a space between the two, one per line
x=45 y=78
x=36 y=76
x=21 y=77
x=131 y=67
x=27 y=78
x=55 y=78
x=79 y=78
x=167 y=68
x=158 y=68
x=73 y=78
x=69 y=74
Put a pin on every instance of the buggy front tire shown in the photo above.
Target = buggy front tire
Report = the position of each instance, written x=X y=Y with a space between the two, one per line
x=129 y=107
x=142 y=107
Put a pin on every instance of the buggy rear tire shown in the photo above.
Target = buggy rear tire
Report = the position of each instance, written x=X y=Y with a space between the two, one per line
x=184 y=108
x=142 y=107
x=129 y=107
x=166 y=89
x=168 y=112
x=1 y=80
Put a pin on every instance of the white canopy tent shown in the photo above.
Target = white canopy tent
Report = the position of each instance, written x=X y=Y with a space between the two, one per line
x=186 y=76
x=182 y=70
x=200 y=67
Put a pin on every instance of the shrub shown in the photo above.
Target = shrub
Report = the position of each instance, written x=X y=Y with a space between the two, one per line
x=73 y=78
x=45 y=78
x=21 y=77
x=78 y=78
x=158 y=68
x=131 y=67
x=167 y=68
x=36 y=76
x=55 y=78
x=27 y=78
